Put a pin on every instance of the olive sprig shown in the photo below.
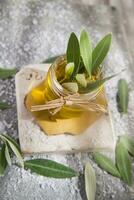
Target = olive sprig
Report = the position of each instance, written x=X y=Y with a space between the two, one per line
x=84 y=62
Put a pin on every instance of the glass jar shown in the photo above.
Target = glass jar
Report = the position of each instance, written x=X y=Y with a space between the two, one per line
x=71 y=115
x=53 y=89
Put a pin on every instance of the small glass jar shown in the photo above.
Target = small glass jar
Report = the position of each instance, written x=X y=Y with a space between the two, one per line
x=72 y=118
x=53 y=89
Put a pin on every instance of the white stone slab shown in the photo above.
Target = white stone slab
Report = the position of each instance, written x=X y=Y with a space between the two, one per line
x=100 y=135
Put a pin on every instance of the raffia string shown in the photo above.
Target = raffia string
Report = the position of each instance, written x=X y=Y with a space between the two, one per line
x=56 y=105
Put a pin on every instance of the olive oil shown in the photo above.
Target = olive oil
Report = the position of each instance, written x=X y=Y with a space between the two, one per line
x=67 y=118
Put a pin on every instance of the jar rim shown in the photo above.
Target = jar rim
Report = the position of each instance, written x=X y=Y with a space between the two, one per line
x=60 y=89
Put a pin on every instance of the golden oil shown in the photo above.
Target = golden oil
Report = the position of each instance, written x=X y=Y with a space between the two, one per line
x=69 y=119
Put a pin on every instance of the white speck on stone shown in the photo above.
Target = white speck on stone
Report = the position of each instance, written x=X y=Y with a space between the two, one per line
x=35 y=22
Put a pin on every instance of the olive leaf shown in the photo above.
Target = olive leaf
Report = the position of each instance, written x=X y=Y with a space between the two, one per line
x=49 y=168
x=122 y=96
x=7 y=137
x=6 y=73
x=90 y=182
x=100 y=51
x=94 y=85
x=81 y=66
x=73 y=53
x=86 y=51
x=106 y=163
x=80 y=78
x=3 y=161
x=128 y=143
x=71 y=86
x=123 y=163
x=17 y=153
x=14 y=147
x=7 y=155
x=4 y=105
x=51 y=59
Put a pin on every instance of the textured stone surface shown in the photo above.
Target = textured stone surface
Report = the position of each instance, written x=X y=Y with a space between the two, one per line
x=31 y=31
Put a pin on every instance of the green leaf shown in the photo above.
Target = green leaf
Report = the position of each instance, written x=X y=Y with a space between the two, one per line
x=3 y=161
x=15 y=148
x=81 y=80
x=100 y=51
x=71 y=86
x=123 y=163
x=86 y=51
x=6 y=73
x=128 y=143
x=7 y=155
x=106 y=164
x=51 y=59
x=49 y=168
x=122 y=96
x=94 y=85
x=90 y=182
x=81 y=66
x=73 y=53
x=8 y=138
x=17 y=153
x=4 y=105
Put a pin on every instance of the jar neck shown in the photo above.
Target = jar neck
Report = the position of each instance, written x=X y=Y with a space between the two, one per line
x=57 y=87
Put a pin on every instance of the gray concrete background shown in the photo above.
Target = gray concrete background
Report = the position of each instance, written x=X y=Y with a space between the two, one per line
x=31 y=31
